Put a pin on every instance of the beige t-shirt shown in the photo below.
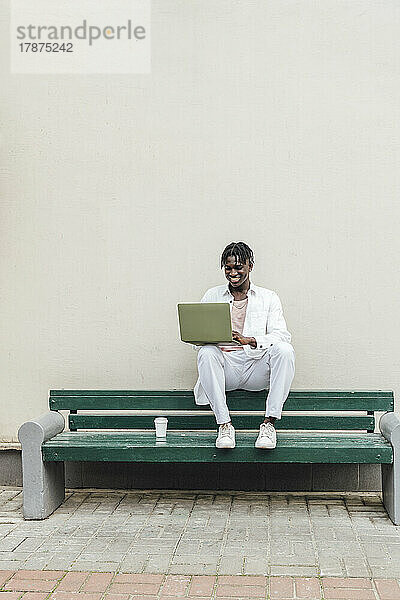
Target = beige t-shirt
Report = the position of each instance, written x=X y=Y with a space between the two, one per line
x=238 y=316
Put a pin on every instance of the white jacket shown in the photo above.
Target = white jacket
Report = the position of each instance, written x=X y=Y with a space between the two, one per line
x=264 y=321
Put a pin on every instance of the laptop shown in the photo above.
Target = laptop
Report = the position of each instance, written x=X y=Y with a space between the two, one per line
x=206 y=323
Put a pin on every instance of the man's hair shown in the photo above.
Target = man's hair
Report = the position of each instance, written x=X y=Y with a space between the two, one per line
x=240 y=251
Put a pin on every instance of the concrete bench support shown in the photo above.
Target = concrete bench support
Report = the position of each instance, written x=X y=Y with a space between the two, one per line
x=44 y=482
x=390 y=429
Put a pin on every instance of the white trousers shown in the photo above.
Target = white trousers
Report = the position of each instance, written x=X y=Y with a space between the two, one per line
x=224 y=371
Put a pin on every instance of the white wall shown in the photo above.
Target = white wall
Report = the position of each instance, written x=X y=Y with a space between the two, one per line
x=273 y=122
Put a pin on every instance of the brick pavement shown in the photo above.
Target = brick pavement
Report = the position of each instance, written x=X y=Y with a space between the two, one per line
x=61 y=585
x=282 y=536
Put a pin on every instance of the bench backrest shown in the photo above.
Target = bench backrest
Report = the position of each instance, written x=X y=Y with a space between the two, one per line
x=144 y=405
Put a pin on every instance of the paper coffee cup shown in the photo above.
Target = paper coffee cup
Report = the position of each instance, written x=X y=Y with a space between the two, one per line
x=161 y=427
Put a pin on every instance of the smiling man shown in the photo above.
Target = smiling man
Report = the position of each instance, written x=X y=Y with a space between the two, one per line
x=264 y=358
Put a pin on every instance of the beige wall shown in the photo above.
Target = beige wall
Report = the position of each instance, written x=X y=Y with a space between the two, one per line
x=275 y=122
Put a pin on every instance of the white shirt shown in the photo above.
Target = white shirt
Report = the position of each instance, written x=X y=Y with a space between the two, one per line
x=264 y=316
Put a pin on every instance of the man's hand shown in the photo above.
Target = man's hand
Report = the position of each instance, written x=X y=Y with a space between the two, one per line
x=244 y=341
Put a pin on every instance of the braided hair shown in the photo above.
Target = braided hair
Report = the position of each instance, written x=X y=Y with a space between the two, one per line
x=240 y=251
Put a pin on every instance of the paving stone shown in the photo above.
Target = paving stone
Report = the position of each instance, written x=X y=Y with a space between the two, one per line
x=35 y=596
x=47 y=575
x=231 y=565
x=290 y=570
x=30 y=544
x=281 y=588
x=356 y=568
x=348 y=594
x=81 y=596
x=292 y=559
x=97 y=582
x=134 y=588
x=37 y=562
x=388 y=589
x=9 y=544
x=63 y=563
x=255 y=566
x=175 y=585
x=341 y=582
x=26 y=585
x=18 y=556
x=193 y=559
x=72 y=582
x=331 y=569
x=240 y=591
x=157 y=563
x=201 y=586
x=137 y=566
x=308 y=587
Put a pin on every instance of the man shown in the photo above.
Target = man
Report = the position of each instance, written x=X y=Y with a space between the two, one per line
x=264 y=357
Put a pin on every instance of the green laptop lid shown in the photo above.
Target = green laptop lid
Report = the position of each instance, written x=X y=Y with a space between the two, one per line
x=205 y=323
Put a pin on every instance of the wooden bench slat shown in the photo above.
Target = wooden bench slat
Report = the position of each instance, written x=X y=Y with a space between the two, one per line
x=305 y=447
x=206 y=421
x=148 y=393
x=237 y=400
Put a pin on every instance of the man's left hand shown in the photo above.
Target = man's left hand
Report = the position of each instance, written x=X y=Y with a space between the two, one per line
x=244 y=341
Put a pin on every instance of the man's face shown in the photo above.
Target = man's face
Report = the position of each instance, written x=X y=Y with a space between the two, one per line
x=236 y=273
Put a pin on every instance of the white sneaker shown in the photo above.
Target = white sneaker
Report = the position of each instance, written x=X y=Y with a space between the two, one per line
x=226 y=436
x=266 y=437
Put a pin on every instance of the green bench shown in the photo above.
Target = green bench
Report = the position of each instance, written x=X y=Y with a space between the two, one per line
x=309 y=437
